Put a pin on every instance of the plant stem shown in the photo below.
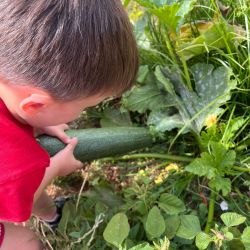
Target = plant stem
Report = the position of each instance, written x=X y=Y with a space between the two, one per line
x=210 y=215
x=152 y=155
x=241 y=169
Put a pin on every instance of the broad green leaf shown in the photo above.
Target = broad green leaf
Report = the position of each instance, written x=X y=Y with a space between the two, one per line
x=221 y=184
x=202 y=240
x=155 y=224
x=146 y=97
x=185 y=8
x=162 y=122
x=117 y=229
x=164 y=81
x=203 y=166
x=245 y=237
x=211 y=37
x=232 y=219
x=167 y=14
x=172 y=224
x=222 y=157
x=189 y=228
x=115 y=118
x=212 y=90
x=142 y=73
x=143 y=246
x=212 y=164
x=171 y=204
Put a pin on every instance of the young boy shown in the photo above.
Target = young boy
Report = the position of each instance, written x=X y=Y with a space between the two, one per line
x=57 y=57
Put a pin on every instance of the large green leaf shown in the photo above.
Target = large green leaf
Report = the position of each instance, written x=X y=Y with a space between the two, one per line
x=155 y=224
x=117 y=229
x=212 y=90
x=245 y=237
x=232 y=219
x=214 y=163
x=146 y=97
x=189 y=228
x=115 y=118
x=171 y=204
x=162 y=121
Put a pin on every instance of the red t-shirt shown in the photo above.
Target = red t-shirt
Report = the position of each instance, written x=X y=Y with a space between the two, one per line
x=22 y=167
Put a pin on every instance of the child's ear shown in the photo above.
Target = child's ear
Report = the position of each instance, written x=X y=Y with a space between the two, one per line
x=34 y=103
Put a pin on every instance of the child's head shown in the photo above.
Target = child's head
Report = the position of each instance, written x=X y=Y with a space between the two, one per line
x=68 y=49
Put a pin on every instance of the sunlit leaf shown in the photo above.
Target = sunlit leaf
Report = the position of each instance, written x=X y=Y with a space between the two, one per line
x=202 y=240
x=189 y=228
x=171 y=204
x=232 y=219
x=117 y=229
x=155 y=224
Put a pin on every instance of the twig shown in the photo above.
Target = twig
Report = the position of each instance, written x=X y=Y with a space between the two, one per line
x=99 y=219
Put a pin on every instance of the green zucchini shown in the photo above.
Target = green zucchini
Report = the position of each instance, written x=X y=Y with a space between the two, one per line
x=97 y=143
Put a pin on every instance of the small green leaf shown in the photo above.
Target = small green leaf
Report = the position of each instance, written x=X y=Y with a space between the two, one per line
x=171 y=204
x=117 y=229
x=155 y=224
x=75 y=234
x=189 y=228
x=232 y=219
x=229 y=235
x=143 y=246
x=202 y=240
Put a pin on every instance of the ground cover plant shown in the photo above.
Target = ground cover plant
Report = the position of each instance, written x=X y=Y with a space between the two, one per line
x=191 y=190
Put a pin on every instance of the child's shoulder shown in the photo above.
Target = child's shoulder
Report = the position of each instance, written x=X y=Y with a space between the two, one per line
x=20 y=153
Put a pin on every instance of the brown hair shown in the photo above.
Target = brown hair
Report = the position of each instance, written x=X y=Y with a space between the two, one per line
x=71 y=48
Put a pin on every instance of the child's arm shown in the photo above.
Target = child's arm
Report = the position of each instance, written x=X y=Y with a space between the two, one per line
x=63 y=163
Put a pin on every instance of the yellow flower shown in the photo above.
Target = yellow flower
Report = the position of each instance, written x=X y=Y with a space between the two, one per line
x=158 y=180
x=172 y=166
x=142 y=173
x=210 y=121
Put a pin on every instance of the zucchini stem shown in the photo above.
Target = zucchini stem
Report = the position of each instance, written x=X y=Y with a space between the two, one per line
x=151 y=155
x=210 y=215
x=241 y=169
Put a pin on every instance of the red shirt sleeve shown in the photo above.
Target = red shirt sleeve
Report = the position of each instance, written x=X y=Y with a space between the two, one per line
x=22 y=167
